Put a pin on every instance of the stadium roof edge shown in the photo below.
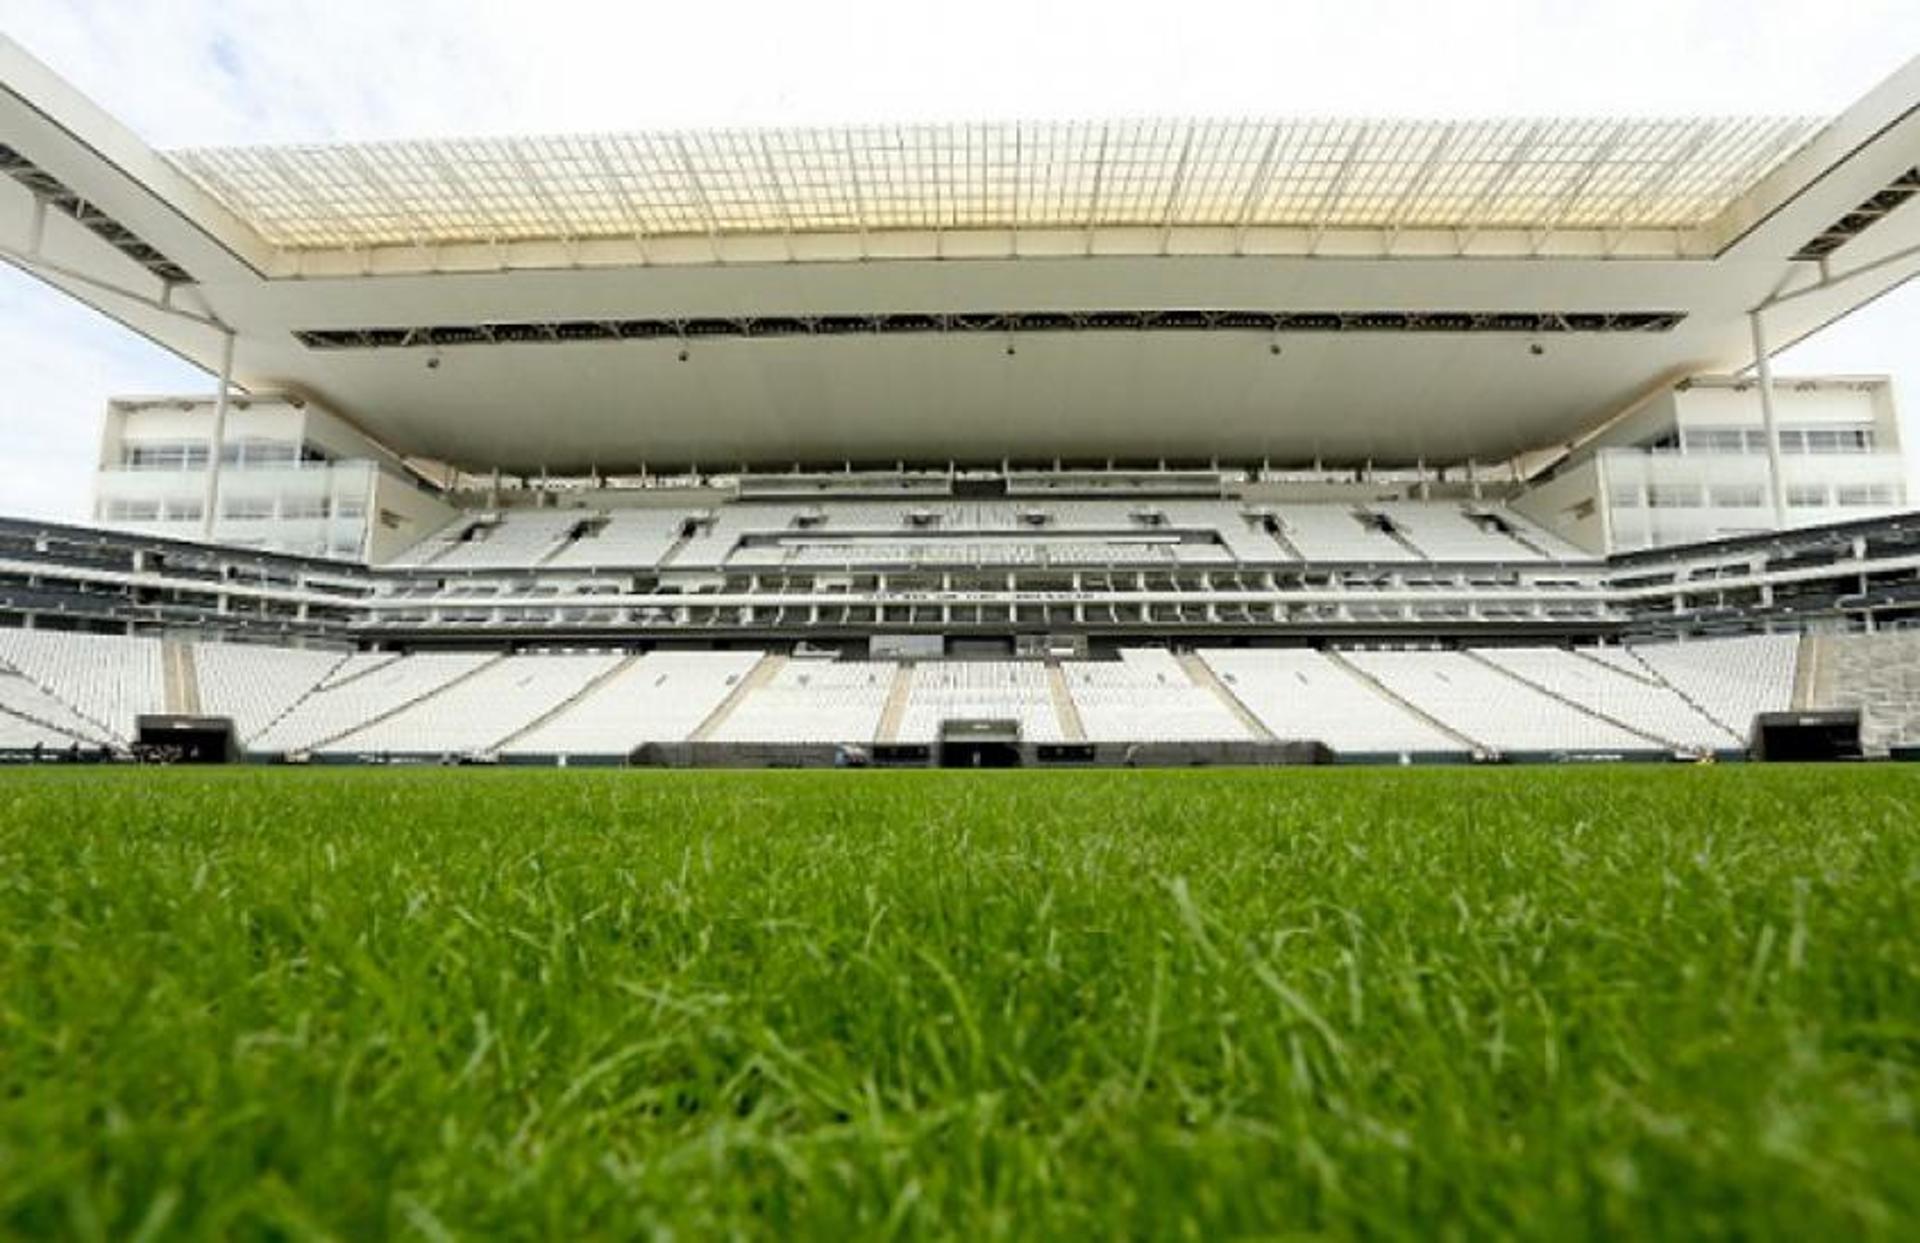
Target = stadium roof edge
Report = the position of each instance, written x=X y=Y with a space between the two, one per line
x=90 y=209
x=1537 y=175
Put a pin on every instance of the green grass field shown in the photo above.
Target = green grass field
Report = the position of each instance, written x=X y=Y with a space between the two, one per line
x=486 y=1004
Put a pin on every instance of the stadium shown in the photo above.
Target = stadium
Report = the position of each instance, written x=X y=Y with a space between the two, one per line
x=1440 y=446
x=1175 y=442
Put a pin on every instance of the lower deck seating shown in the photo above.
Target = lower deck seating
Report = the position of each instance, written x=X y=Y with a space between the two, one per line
x=1618 y=692
x=1731 y=680
x=980 y=691
x=1493 y=709
x=349 y=704
x=256 y=686
x=30 y=717
x=813 y=701
x=658 y=697
x=106 y=679
x=55 y=690
x=1146 y=696
x=1304 y=695
x=483 y=710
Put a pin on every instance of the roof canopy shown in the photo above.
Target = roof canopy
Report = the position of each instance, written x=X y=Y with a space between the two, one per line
x=1515 y=174
x=1292 y=290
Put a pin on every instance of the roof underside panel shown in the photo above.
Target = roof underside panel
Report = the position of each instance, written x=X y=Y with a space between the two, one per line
x=1324 y=174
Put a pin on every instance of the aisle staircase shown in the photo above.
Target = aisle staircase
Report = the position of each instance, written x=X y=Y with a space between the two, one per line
x=1072 y=728
x=587 y=688
x=1204 y=676
x=364 y=725
x=895 y=711
x=181 y=679
x=769 y=667
x=1467 y=743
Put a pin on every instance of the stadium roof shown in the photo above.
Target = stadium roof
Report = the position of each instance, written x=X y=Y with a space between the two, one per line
x=1535 y=175
x=1281 y=290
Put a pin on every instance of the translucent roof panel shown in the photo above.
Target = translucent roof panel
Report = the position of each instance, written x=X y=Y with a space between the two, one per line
x=1322 y=174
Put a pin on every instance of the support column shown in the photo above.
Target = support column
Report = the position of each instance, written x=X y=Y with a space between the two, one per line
x=210 y=503
x=1763 y=367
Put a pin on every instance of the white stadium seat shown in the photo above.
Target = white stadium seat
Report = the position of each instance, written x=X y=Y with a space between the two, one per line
x=659 y=697
x=1489 y=707
x=347 y=704
x=483 y=710
x=1146 y=696
x=108 y=680
x=980 y=690
x=813 y=701
x=1298 y=694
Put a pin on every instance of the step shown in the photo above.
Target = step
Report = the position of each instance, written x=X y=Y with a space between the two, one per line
x=758 y=676
x=397 y=709
x=1689 y=700
x=566 y=705
x=1381 y=689
x=303 y=697
x=1666 y=744
x=1072 y=728
x=1203 y=676
x=180 y=677
x=898 y=696
x=1806 y=674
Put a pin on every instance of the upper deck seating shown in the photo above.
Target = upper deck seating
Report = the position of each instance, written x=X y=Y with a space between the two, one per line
x=1337 y=533
x=1046 y=531
x=628 y=539
x=1444 y=532
x=519 y=539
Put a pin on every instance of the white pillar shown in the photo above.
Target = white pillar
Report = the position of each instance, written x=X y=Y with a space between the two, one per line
x=1763 y=367
x=217 y=441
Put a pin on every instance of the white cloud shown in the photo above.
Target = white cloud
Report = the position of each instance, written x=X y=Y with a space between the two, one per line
x=210 y=72
x=62 y=362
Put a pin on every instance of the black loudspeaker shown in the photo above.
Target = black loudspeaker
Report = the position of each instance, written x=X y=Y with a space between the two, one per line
x=1806 y=737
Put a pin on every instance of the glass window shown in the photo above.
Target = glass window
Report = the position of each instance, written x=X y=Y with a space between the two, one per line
x=1862 y=495
x=1826 y=440
x=1715 y=440
x=183 y=510
x=1737 y=496
x=1806 y=495
x=246 y=507
x=130 y=509
x=163 y=455
x=1673 y=496
x=254 y=451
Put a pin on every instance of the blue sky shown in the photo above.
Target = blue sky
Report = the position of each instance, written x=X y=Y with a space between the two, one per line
x=213 y=72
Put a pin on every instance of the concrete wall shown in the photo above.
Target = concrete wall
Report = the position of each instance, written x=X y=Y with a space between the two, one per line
x=1877 y=673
